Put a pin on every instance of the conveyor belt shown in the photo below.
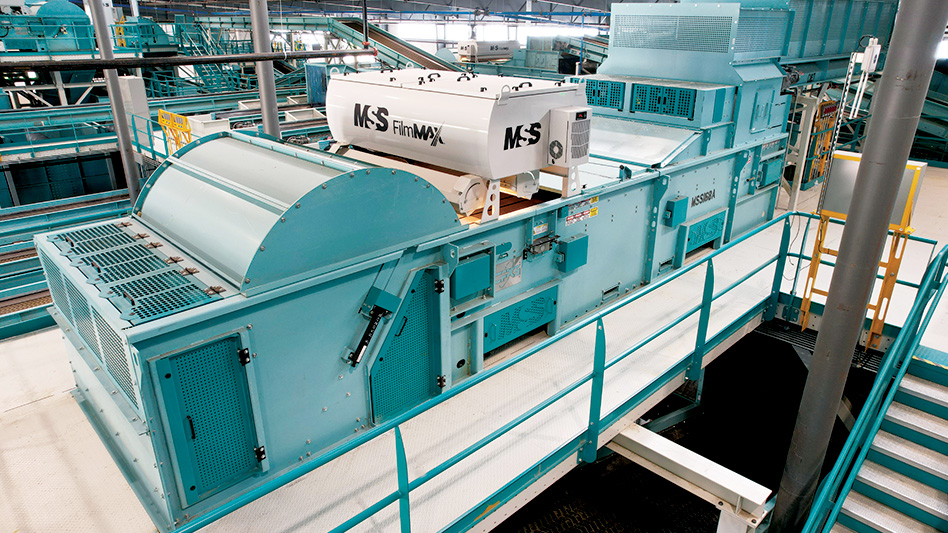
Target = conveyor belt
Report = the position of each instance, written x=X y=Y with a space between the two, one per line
x=301 y=124
x=237 y=113
x=28 y=301
x=420 y=58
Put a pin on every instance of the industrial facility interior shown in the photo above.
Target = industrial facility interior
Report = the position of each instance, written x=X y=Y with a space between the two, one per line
x=439 y=265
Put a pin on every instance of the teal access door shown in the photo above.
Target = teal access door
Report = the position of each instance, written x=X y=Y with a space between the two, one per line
x=407 y=370
x=210 y=419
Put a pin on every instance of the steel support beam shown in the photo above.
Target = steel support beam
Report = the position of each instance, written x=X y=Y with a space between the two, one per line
x=919 y=27
x=138 y=62
x=266 y=83
x=103 y=37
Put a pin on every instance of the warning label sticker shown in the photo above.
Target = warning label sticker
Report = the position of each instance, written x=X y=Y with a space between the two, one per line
x=582 y=210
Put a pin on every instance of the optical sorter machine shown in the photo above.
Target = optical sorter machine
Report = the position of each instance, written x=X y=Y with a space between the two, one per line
x=266 y=302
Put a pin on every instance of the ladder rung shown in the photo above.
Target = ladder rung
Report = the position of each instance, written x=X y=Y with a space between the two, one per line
x=829 y=251
x=820 y=292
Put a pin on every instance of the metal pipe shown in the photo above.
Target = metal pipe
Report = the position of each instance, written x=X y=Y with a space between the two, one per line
x=119 y=118
x=919 y=27
x=365 y=24
x=136 y=62
x=266 y=82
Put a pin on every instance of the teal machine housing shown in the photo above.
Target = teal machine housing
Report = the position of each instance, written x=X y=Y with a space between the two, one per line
x=701 y=80
x=266 y=302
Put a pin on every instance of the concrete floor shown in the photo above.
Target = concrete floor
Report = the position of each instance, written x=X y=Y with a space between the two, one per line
x=55 y=475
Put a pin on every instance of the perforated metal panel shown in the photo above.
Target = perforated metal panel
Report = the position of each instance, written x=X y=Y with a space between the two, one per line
x=669 y=32
x=115 y=357
x=519 y=319
x=761 y=31
x=210 y=417
x=404 y=374
x=604 y=93
x=54 y=279
x=82 y=318
x=673 y=101
x=101 y=243
x=135 y=278
x=130 y=269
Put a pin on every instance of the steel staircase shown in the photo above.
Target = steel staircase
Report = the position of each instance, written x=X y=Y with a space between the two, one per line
x=892 y=474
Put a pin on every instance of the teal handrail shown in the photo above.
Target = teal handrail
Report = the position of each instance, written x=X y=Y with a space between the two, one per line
x=839 y=481
x=406 y=486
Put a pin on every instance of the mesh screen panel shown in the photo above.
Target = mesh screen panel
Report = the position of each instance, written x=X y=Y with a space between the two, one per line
x=402 y=377
x=116 y=361
x=759 y=31
x=82 y=318
x=669 y=32
x=213 y=394
x=605 y=93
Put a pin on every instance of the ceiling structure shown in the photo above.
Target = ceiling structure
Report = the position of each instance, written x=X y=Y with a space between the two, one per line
x=593 y=12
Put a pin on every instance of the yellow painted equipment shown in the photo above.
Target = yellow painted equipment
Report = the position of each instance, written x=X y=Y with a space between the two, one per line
x=177 y=130
x=900 y=228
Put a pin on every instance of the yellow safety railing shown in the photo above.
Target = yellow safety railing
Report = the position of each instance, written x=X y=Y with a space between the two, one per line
x=177 y=130
x=891 y=264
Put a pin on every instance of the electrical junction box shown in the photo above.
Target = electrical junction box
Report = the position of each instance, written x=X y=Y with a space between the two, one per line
x=676 y=211
x=571 y=253
x=471 y=276
x=569 y=136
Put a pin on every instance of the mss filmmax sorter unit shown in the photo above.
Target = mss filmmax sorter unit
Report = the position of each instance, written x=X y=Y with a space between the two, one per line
x=267 y=302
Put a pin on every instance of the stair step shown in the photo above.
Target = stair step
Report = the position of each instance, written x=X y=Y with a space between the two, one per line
x=839 y=528
x=883 y=519
x=917 y=420
x=911 y=454
x=924 y=389
x=915 y=493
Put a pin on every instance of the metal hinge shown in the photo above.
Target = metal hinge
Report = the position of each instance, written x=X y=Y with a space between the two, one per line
x=244 y=356
x=442 y=381
x=173 y=259
x=260 y=452
x=439 y=286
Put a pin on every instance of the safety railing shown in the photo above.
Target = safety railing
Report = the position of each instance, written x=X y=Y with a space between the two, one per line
x=839 y=481
x=36 y=141
x=148 y=138
x=916 y=246
x=698 y=317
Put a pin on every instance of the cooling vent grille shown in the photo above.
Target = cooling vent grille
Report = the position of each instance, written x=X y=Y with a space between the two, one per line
x=115 y=357
x=579 y=139
x=604 y=93
x=669 y=32
x=672 y=101
x=136 y=278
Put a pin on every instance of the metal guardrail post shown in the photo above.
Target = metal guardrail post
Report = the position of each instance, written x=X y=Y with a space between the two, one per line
x=704 y=317
x=401 y=469
x=589 y=450
x=778 y=275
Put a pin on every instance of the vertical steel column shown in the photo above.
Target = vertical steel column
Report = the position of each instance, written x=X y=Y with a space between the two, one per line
x=133 y=6
x=266 y=84
x=365 y=24
x=103 y=38
x=919 y=27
